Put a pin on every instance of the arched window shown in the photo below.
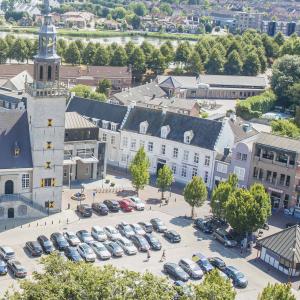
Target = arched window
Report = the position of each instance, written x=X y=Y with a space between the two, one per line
x=49 y=73
x=41 y=73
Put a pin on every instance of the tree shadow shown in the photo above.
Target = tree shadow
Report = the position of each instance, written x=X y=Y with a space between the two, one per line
x=202 y=236
x=153 y=201
x=227 y=252
x=181 y=221
x=126 y=193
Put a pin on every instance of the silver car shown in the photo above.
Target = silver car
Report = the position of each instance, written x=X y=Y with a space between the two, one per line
x=98 y=233
x=112 y=233
x=125 y=229
x=100 y=250
x=86 y=252
x=114 y=248
x=71 y=237
x=138 y=229
x=191 y=268
x=84 y=236
x=127 y=246
x=7 y=253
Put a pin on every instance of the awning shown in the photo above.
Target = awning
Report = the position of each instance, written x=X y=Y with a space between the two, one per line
x=89 y=160
x=68 y=162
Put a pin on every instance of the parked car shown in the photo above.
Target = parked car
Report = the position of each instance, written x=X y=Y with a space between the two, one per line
x=238 y=278
x=72 y=254
x=100 y=208
x=3 y=267
x=147 y=226
x=172 y=236
x=84 y=236
x=125 y=229
x=98 y=233
x=140 y=242
x=86 y=252
x=16 y=268
x=137 y=229
x=217 y=262
x=46 y=244
x=112 y=205
x=158 y=225
x=100 y=250
x=126 y=205
x=112 y=233
x=7 y=252
x=34 y=248
x=59 y=241
x=152 y=241
x=175 y=271
x=218 y=223
x=127 y=246
x=224 y=237
x=137 y=203
x=71 y=238
x=85 y=210
x=203 y=225
x=191 y=268
x=114 y=248
x=203 y=262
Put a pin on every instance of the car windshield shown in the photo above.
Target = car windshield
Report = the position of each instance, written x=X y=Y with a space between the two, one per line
x=100 y=247
x=137 y=227
x=10 y=253
x=159 y=222
x=47 y=243
x=127 y=228
x=85 y=233
x=100 y=231
x=194 y=267
x=73 y=250
x=153 y=239
x=113 y=231
x=239 y=275
x=127 y=244
x=205 y=262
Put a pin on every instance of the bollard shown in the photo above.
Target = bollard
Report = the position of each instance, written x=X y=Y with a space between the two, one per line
x=150 y=208
x=67 y=221
x=45 y=223
x=59 y=222
x=69 y=205
x=21 y=226
x=37 y=224
x=52 y=222
x=29 y=225
x=175 y=199
x=5 y=227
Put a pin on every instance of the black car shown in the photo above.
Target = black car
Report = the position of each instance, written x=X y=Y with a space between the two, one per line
x=100 y=208
x=140 y=242
x=172 y=236
x=146 y=226
x=46 y=244
x=72 y=254
x=203 y=225
x=34 y=248
x=217 y=262
x=152 y=241
x=158 y=225
x=218 y=223
x=112 y=205
x=85 y=210
x=17 y=269
x=176 y=271
x=238 y=278
x=59 y=241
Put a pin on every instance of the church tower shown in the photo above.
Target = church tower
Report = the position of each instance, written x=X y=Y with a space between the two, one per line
x=46 y=104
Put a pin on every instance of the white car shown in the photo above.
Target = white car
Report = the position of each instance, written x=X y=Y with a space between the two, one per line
x=112 y=233
x=138 y=229
x=100 y=250
x=71 y=237
x=86 y=252
x=127 y=246
x=7 y=253
x=138 y=203
x=98 y=233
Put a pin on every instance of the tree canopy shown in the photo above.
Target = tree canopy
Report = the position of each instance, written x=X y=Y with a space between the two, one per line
x=277 y=291
x=164 y=179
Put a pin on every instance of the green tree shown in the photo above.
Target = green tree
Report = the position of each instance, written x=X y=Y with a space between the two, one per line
x=271 y=47
x=118 y=13
x=166 y=9
x=277 y=291
x=148 y=50
x=195 y=193
x=104 y=86
x=215 y=62
x=81 y=90
x=194 y=64
x=164 y=179
x=279 y=38
x=138 y=63
x=157 y=62
x=234 y=64
x=294 y=93
x=139 y=169
x=72 y=54
x=251 y=64
x=167 y=51
x=285 y=128
x=262 y=59
x=119 y=57
x=101 y=57
x=61 y=47
x=97 y=96
x=182 y=53
x=140 y=9
x=3 y=51
x=215 y=287
x=88 y=54
x=19 y=50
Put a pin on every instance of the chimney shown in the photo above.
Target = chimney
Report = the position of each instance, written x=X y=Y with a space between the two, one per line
x=132 y=104
x=164 y=109
x=233 y=117
x=226 y=151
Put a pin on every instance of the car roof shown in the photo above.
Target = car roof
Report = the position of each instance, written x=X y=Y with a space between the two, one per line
x=124 y=239
x=7 y=249
x=43 y=237
x=172 y=264
x=56 y=234
x=173 y=232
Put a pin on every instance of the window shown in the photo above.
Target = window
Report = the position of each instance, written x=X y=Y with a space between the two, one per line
x=142 y=144
x=50 y=122
x=194 y=172
x=47 y=182
x=244 y=157
x=187 y=139
x=282 y=179
x=175 y=152
x=125 y=141
x=207 y=161
x=124 y=158
x=143 y=128
x=104 y=137
x=196 y=158
x=174 y=169
x=150 y=146
x=112 y=139
x=104 y=124
x=48 y=165
x=239 y=155
x=288 y=180
x=183 y=171
x=113 y=126
x=133 y=144
x=49 y=145
x=163 y=149
x=222 y=168
x=25 y=181
x=240 y=172
x=206 y=177
x=186 y=155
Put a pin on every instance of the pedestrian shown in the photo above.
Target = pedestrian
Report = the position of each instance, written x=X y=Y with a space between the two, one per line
x=163 y=257
x=148 y=254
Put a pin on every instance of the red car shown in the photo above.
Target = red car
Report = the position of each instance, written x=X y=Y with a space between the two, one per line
x=126 y=205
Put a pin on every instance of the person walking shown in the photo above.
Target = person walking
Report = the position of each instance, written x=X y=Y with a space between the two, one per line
x=163 y=257
x=148 y=255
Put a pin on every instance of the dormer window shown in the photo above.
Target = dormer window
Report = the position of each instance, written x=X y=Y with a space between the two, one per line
x=50 y=122
x=164 y=131
x=113 y=126
x=143 y=127
x=16 y=150
x=188 y=136
x=105 y=124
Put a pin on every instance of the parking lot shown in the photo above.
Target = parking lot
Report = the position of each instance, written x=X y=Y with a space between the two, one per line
x=192 y=241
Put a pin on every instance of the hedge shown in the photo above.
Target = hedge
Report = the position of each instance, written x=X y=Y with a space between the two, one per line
x=255 y=106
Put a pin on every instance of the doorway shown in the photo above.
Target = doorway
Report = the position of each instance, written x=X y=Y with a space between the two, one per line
x=11 y=213
x=9 y=187
x=160 y=165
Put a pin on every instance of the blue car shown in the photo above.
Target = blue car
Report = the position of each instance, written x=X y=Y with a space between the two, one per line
x=203 y=262
x=3 y=267
x=238 y=278
x=72 y=254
